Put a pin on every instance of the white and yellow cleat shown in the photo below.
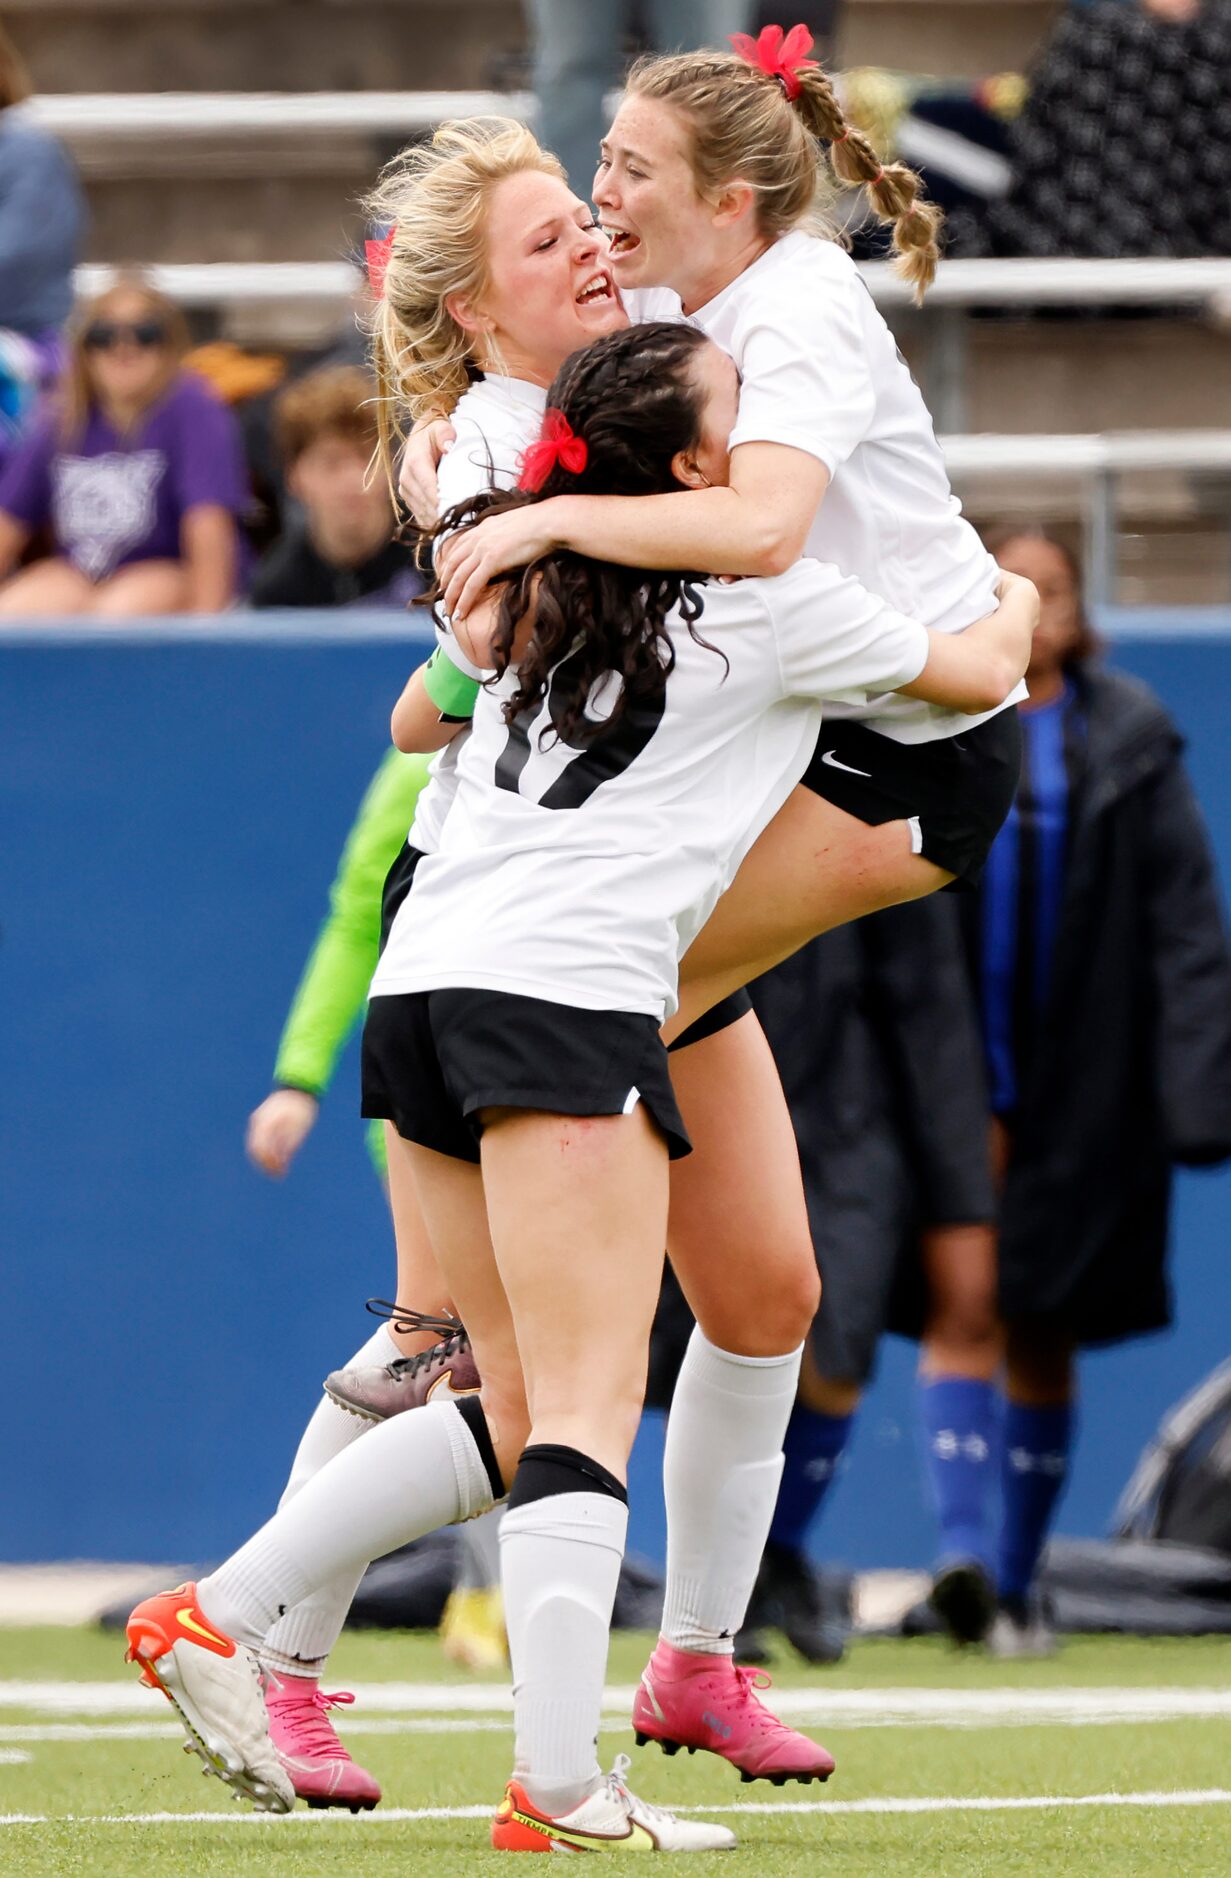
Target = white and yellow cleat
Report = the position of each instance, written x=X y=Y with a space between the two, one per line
x=214 y=1685
x=610 y=1820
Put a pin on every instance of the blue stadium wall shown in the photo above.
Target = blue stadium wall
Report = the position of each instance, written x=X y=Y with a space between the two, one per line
x=170 y=815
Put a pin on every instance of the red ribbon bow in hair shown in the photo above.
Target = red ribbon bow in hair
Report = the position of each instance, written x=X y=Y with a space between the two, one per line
x=376 y=256
x=558 y=443
x=779 y=55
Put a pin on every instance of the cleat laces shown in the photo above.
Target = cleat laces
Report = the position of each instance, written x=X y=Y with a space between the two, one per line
x=750 y=1679
x=616 y=1783
x=449 y=1328
x=309 y=1731
x=405 y=1368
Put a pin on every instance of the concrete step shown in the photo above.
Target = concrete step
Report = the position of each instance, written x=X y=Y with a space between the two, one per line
x=1097 y=374
x=262 y=45
x=306 y=45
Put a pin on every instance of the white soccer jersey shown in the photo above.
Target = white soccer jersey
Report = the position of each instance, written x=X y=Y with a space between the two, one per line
x=822 y=372
x=494 y=420
x=580 y=875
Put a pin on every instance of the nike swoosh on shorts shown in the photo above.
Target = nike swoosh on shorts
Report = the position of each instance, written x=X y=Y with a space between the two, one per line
x=827 y=756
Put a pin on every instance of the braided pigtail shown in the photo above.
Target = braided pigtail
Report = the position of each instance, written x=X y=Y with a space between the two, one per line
x=895 y=191
x=771 y=125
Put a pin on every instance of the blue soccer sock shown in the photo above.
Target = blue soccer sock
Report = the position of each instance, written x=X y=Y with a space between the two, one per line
x=1034 y=1469
x=812 y=1451
x=959 y=1426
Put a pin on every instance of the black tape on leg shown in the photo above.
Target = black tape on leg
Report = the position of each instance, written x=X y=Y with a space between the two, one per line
x=470 y=1409
x=545 y=1470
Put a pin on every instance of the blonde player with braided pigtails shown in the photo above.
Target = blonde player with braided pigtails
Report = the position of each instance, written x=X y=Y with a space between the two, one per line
x=713 y=184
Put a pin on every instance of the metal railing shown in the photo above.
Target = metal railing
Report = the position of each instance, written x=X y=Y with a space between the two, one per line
x=964 y=285
x=1097 y=462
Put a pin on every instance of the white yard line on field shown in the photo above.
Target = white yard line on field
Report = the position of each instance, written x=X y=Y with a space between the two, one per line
x=401 y=1815
x=851 y=1708
x=172 y=1731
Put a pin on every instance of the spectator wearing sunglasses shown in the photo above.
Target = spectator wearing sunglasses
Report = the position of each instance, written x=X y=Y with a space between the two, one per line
x=133 y=482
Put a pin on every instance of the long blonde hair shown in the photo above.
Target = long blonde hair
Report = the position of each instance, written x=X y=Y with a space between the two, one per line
x=75 y=396
x=742 y=126
x=436 y=196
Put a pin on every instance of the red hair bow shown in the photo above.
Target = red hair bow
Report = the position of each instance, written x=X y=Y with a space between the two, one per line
x=779 y=55
x=558 y=443
x=376 y=256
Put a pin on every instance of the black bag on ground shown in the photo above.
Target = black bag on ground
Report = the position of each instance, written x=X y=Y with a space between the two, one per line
x=1167 y=1570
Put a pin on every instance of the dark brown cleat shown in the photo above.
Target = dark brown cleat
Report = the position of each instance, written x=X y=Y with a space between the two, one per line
x=447 y=1370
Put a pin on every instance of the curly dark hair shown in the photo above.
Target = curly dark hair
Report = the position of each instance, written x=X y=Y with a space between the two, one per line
x=634 y=399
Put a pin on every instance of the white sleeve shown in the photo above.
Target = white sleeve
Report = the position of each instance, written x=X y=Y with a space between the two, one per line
x=473 y=464
x=471 y=467
x=836 y=640
x=806 y=376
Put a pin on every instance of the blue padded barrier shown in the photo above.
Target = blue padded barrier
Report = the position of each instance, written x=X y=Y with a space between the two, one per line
x=172 y=801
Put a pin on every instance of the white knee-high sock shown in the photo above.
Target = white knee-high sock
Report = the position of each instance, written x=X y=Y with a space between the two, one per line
x=421 y=1470
x=560 y=1563
x=721 y=1470
x=299 y=1643
x=479 y=1562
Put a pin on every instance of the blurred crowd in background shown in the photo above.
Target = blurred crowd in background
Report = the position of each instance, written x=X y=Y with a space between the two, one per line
x=141 y=474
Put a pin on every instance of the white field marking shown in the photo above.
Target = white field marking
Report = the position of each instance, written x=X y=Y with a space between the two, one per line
x=172 y=1731
x=12 y=1757
x=852 y=1708
x=400 y=1815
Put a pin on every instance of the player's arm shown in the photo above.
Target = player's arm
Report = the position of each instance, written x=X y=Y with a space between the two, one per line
x=436 y=703
x=758 y=524
x=476 y=636
x=427 y=443
x=975 y=670
x=806 y=401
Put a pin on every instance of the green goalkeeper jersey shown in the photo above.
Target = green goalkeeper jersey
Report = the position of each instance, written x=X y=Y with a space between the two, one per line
x=333 y=989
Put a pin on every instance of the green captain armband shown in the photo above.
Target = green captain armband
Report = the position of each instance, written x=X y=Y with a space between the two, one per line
x=452 y=692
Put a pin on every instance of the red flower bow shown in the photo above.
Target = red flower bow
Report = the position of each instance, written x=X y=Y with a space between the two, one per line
x=376 y=255
x=780 y=56
x=558 y=443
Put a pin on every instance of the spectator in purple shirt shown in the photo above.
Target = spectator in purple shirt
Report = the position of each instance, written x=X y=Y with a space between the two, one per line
x=135 y=478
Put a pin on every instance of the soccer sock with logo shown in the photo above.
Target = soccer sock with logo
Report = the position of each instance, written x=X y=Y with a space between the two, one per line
x=813 y=1450
x=958 y=1415
x=561 y=1543
x=1034 y=1469
x=422 y=1469
x=300 y=1642
x=721 y=1470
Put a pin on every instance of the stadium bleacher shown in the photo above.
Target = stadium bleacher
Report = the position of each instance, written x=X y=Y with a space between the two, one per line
x=215 y=105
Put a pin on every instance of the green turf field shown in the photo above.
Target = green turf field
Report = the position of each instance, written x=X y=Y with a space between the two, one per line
x=919 y=1732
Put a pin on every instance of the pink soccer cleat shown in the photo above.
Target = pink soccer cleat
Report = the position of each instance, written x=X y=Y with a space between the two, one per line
x=707 y=1702
x=321 y=1770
